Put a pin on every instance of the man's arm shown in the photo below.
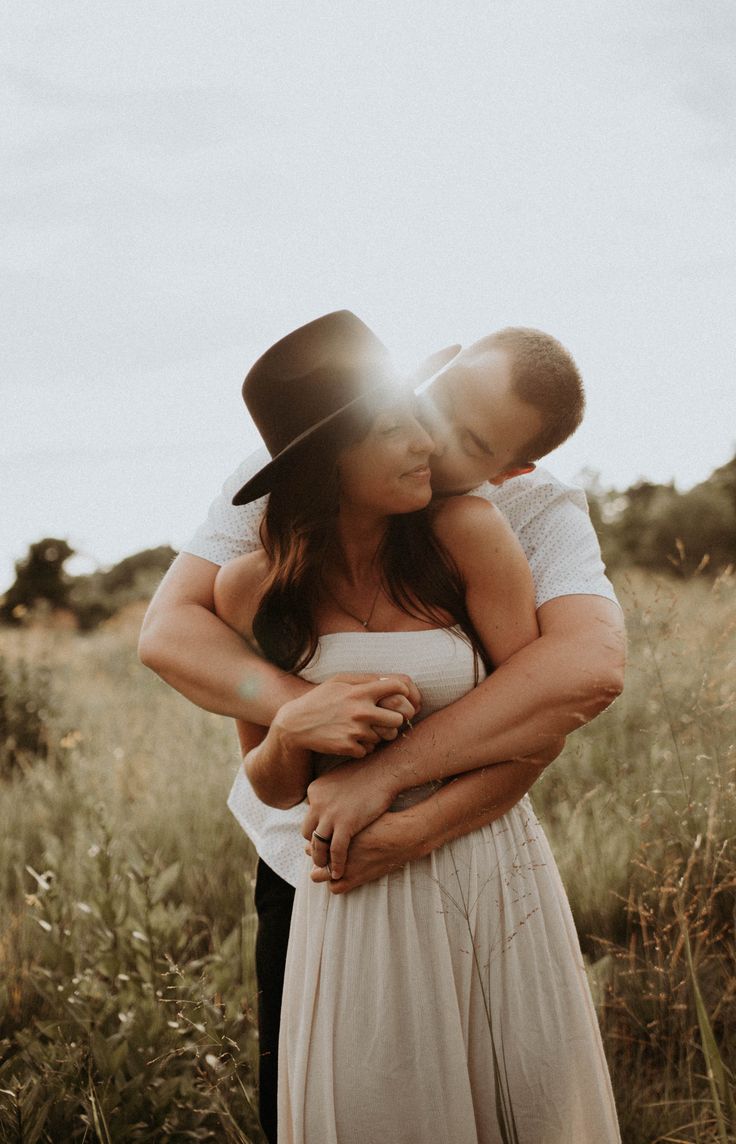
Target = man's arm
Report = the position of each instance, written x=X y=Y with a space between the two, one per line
x=549 y=688
x=198 y=654
x=464 y=804
x=184 y=642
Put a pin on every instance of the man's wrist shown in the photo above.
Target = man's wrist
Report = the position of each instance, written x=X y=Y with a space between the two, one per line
x=398 y=770
x=409 y=835
x=269 y=695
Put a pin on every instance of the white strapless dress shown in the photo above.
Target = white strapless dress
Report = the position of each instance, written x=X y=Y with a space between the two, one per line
x=447 y=1002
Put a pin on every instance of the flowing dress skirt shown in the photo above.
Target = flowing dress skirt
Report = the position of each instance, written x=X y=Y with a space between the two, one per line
x=445 y=1003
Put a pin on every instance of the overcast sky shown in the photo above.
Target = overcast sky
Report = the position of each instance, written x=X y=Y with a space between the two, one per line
x=184 y=183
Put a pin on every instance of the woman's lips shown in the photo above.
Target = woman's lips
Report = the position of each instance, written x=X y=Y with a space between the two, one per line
x=421 y=472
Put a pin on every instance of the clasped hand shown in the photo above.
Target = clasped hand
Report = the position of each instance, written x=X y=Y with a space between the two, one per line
x=343 y=802
x=346 y=715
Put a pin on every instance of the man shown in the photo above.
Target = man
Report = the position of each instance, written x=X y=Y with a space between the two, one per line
x=498 y=406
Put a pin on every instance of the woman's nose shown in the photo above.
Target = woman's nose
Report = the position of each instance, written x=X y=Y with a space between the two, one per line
x=433 y=424
x=422 y=441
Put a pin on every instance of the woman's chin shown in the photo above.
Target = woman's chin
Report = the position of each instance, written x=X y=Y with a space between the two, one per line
x=420 y=499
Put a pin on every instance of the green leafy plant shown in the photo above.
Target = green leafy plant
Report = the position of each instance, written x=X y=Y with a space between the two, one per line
x=136 y=1034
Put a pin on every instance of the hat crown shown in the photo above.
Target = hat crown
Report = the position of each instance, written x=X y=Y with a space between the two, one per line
x=311 y=377
x=311 y=374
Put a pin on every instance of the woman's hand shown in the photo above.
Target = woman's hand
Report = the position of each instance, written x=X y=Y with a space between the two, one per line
x=343 y=802
x=385 y=845
x=347 y=714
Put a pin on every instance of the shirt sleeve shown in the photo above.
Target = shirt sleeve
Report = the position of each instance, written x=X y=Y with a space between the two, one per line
x=562 y=547
x=553 y=525
x=229 y=530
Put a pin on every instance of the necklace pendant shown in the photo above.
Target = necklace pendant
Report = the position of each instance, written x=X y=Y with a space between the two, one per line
x=364 y=623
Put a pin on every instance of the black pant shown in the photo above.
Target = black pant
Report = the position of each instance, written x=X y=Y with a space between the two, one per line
x=274 y=900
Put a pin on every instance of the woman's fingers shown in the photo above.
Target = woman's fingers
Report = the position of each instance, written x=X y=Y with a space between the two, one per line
x=321 y=843
x=386 y=734
x=386 y=685
x=400 y=704
x=338 y=854
x=330 y=849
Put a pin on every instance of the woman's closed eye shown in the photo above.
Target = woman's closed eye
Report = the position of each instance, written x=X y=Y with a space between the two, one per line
x=387 y=430
x=395 y=422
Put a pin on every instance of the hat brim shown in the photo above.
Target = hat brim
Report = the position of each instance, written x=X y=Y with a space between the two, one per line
x=264 y=480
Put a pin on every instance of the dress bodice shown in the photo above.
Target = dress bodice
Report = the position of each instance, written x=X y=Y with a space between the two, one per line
x=439 y=660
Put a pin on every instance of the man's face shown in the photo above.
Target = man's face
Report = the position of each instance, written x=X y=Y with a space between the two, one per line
x=479 y=426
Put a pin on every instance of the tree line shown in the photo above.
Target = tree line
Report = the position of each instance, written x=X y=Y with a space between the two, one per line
x=657 y=528
x=42 y=583
x=649 y=526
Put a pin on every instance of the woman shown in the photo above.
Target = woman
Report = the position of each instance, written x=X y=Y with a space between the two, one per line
x=446 y=1001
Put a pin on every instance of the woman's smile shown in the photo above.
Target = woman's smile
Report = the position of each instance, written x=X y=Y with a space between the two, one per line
x=419 y=472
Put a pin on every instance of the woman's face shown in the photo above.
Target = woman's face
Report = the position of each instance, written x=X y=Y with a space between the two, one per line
x=388 y=471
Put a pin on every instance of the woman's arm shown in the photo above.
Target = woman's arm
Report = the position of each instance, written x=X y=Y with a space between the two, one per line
x=277 y=768
x=499 y=590
x=278 y=760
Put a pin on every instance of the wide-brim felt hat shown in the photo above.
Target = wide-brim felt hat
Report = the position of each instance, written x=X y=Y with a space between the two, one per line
x=311 y=378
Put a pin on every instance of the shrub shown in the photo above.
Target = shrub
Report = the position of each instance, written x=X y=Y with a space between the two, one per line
x=25 y=710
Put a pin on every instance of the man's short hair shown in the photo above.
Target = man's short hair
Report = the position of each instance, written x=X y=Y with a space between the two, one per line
x=544 y=375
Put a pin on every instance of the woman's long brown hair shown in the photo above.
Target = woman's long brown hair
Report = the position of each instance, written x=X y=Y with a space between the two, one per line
x=298 y=532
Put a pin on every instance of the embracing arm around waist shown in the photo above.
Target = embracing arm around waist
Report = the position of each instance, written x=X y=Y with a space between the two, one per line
x=497 y=738
x=546 y=690
x=463 y=804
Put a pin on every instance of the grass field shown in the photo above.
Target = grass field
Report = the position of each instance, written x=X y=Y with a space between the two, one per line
x=126 y=923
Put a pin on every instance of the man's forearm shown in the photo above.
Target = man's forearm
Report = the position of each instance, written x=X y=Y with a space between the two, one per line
x=203 y=659
x=462 y=805
x=548 y=689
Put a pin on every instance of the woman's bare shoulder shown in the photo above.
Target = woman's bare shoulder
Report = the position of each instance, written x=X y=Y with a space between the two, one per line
x=462 y=518
x=475 y=533
x=238 y=588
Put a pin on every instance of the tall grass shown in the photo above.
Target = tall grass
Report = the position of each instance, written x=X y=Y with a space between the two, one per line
x=126 y=924
x=641 y=814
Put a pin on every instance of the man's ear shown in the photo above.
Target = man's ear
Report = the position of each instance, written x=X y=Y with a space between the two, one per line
x=514 y=471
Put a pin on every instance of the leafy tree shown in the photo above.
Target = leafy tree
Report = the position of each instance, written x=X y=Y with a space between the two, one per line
x=40 y=576
x=660 y=529
x=91 y=598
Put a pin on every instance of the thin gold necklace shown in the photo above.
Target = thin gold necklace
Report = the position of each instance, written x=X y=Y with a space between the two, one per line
x=363 y=622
